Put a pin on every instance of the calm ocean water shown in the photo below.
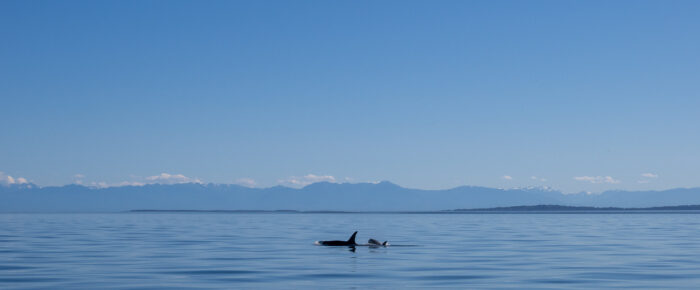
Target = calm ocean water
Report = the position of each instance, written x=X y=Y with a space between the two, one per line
x=276 y=250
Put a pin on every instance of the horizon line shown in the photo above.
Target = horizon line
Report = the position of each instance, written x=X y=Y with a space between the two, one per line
x=30 y=185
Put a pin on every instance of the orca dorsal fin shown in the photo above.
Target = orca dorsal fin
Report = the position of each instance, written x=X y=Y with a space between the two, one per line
x=384 y=243
x=351 y=240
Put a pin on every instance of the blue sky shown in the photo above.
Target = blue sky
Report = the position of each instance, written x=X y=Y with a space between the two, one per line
x=575 y=95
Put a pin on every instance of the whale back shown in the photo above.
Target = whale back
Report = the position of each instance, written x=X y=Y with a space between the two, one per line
x=373 y=242
x=350 y=242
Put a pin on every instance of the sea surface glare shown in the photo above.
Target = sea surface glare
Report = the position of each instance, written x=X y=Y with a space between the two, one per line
x=276 y=250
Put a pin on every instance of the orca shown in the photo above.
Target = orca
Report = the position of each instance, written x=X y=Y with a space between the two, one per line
x=373 y=242
x=349 y=243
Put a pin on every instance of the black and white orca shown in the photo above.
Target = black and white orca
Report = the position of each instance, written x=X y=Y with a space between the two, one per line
x=349 y=243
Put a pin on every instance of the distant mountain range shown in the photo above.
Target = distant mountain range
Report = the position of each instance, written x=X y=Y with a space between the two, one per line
x=322 y=196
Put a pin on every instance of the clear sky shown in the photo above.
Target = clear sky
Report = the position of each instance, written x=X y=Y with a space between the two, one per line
x=575 y=95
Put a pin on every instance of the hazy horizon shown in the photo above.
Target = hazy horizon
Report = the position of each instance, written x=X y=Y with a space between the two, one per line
x=179 y=179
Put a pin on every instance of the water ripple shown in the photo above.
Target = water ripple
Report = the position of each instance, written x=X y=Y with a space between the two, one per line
x=195 y=251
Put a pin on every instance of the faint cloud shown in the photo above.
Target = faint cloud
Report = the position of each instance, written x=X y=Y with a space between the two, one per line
x=9 y=180
x=100 y=184
x=650 y=175
x=307 y=179
x=167 y=178
x=597 y=179
x=163 y=178
x=78 y=179
x=131 y=183
x=507 y=177
x=647 y=177
x=247 y=182
x=538 y=178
